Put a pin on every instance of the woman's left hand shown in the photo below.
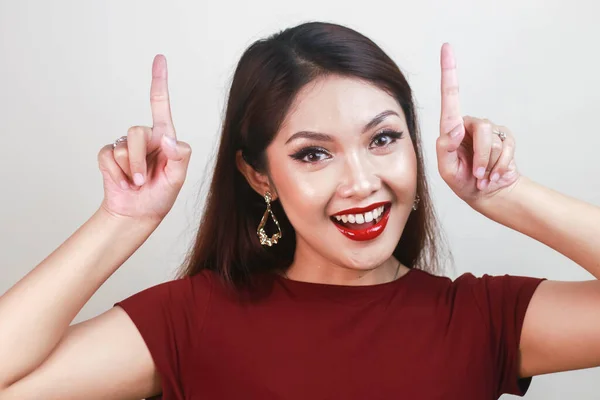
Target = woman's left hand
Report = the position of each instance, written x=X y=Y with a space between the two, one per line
x=472 y=158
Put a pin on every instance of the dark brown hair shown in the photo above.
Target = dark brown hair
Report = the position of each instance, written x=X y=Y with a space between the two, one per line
x=267 y=78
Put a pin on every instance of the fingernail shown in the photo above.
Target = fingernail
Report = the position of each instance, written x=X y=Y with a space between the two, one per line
x=495 y=176
x=124 y=185
x=138 y=179
x=170 y=141
x=456 y=131
x=480 y=172
x=484 y=183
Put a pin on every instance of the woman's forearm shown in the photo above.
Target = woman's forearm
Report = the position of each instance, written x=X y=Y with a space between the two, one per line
x=568 y=225
x=37 y=310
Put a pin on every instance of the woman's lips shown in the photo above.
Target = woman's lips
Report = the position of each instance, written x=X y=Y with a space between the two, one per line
x=370 y=230
x=360 y=210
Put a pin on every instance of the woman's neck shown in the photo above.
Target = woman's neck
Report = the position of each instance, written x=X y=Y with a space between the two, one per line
x=330 y=273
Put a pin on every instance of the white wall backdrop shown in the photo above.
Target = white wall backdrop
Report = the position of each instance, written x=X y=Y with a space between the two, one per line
x=75 y=75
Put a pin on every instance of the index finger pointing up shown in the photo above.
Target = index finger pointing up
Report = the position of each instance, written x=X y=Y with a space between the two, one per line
x=159 y=97
x=451 y=116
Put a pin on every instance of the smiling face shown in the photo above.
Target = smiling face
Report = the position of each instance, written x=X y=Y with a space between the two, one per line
x=343 y=149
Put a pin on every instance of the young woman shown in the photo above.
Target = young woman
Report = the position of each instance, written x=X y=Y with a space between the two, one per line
x=315 y=273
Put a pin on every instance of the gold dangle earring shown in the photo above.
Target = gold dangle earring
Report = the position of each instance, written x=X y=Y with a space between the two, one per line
x=416 y=203
x=264 y=239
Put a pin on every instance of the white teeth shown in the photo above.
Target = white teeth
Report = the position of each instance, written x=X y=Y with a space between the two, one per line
x=377 y=213
x=362 y=218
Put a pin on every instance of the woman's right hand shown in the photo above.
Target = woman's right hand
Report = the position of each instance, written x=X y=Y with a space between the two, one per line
x=143 y=175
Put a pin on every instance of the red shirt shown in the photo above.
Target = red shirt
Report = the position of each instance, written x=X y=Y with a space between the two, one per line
x=419 y=337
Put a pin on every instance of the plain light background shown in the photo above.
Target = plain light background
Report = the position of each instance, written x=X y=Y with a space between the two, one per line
x=75 y=75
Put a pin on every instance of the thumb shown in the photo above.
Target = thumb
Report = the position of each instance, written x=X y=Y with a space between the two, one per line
x=446 y=149
x=178 y=154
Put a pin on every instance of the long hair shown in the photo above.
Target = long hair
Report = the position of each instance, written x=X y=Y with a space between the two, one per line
x=268 y=76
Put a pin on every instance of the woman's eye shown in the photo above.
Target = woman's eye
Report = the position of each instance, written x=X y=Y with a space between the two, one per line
x=310 y=155
x=385 y=138
x=381 y=141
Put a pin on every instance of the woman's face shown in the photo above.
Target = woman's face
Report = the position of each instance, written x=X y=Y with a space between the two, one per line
x=344 y=145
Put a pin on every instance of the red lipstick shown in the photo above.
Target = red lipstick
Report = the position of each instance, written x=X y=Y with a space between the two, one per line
x=370 y=232
x=360 y=210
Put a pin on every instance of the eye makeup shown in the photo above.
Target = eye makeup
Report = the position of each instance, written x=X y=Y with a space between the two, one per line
x=315 y=154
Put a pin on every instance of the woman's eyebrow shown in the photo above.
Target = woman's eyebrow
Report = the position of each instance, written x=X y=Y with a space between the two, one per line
x=378 y=119
x=323 y=137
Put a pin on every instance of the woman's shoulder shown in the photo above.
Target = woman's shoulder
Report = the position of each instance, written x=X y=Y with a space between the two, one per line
x=190 y=290
x=469 y=280
x=499 y=283
x=486 y=290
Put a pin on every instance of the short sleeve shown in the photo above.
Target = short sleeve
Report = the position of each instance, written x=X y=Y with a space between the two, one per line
x=169 y=317
x=503 y=301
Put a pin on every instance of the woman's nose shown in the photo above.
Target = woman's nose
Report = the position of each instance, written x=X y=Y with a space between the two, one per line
x=359 y=178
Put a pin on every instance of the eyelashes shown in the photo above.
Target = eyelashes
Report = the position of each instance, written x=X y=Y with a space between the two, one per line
x=314 y=154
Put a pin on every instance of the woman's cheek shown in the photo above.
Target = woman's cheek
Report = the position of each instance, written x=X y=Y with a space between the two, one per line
x=314 y=190
x=303 y=190
x=400 y=173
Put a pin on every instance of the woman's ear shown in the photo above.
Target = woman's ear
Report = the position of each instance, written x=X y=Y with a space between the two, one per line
x=258 y=181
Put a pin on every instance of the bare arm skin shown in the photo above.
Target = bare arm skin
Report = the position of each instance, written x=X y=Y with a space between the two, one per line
x=41 y=355
x=37 y=310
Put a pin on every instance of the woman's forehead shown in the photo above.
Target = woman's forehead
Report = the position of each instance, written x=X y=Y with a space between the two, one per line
x=338 y=101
